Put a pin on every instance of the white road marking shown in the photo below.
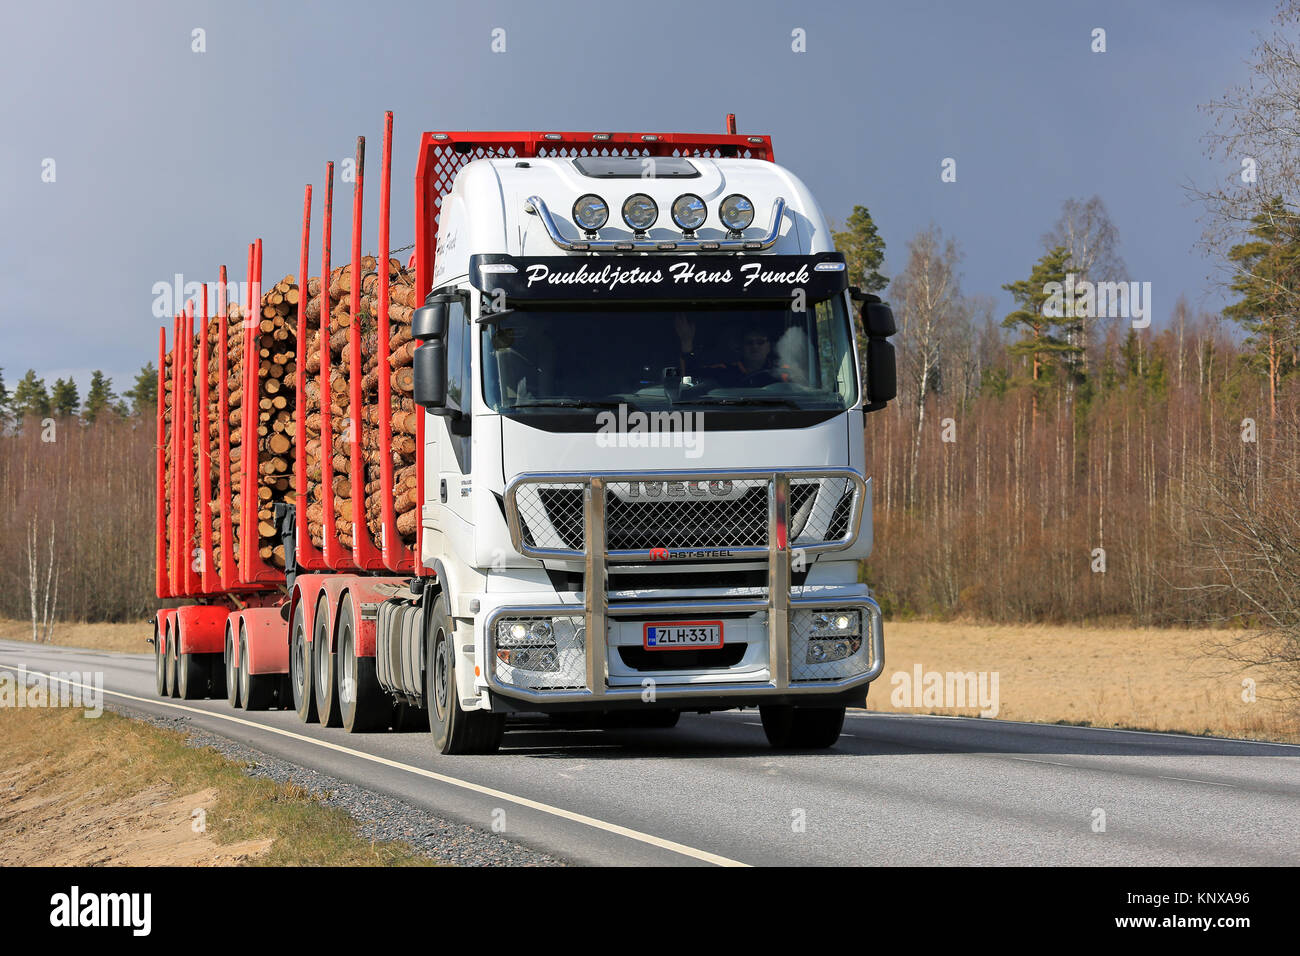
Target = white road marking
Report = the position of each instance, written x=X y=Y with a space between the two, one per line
x=649 y=839
x=1208 y=783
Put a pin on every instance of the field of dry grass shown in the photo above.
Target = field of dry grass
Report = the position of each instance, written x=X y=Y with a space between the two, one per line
x=1151 y=679
x=99 y=637
x=112 y=791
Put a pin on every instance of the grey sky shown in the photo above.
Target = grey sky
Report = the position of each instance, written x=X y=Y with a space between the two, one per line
x=172 y=161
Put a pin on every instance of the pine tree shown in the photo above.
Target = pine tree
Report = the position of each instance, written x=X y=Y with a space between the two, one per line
x=30 y=398
x=64 y=399
x=1268 y=275
x=1043 y=338
x=99 y=398
x=143 y=396
x=864 y=250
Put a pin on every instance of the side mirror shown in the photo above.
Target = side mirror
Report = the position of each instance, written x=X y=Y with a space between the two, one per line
x=429 y=366
x=882 y=374
x=878 y=319
x=429 y=321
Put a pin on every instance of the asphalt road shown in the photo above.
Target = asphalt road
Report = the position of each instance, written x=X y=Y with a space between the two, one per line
x=895 y=790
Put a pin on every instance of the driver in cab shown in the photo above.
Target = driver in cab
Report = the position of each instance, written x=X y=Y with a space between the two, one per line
x=753 y=364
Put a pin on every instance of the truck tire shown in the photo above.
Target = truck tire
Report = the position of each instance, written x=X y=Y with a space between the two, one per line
x=325 y=671
x=300 y=680
x=159 y=662
x=363 y=704
x=192 y=676
x=455 y=731
x=256 y=690
x=232 y=671
x=801 y=728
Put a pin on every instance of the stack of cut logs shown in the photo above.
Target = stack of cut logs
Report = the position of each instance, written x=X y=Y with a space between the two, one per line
x=167 y=407
x=277 y=344
x=401 y=412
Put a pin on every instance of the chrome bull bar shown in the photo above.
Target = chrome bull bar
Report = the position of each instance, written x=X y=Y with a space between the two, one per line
x=595 y=610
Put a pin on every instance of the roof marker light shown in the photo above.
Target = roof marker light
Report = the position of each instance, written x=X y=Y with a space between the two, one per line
x=829 y=267
x=494 y=268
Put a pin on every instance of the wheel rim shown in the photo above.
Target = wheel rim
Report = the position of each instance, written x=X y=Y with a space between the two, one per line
x=440 y=673
x=348 y=674
x=230 y=666
x=299 y=677
x=158 y=662
x=244 y=677
x=322 y=664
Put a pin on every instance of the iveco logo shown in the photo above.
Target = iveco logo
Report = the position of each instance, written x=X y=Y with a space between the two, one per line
x=679 y=489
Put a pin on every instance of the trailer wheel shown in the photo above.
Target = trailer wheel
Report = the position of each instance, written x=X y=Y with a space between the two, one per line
x=232 y=671
x=192 y=676
x=324 y=671
x=363 y=705
x=257 y=690
x=801 y=728
x=160 y=661
x=455 y=731
x=304 y=702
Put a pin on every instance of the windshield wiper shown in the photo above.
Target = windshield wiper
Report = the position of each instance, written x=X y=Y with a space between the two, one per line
x=783 y=402
x=566 y=403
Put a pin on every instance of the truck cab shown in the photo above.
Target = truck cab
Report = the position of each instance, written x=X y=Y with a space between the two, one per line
x=642 y=467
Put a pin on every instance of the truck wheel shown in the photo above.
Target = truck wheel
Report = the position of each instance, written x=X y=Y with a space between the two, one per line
x=192 y=676
x=172 y=640
x=801 y=728
x=324 y=667
x=159 y=662
x=304 y=702
x=232 y=671
x=455 y=731
x=363 y=705
x=257 y=690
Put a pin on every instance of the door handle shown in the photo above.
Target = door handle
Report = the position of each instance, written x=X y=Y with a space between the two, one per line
x=442 y=490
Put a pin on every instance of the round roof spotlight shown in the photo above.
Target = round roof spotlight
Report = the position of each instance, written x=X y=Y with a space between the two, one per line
x=689 y=212
x=590 y=212
x=736 y=212
x=640 y=212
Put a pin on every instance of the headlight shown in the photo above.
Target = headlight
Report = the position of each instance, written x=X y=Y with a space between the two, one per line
x=689 y=212
x=590 y=212
x=822 y=650
x=736 y=212
x=835 y=623
x=640 y=212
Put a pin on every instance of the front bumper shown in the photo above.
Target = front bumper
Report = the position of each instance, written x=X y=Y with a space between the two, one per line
x=778 y=664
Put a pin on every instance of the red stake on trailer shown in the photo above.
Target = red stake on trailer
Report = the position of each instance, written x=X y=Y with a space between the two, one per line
x=254 y=569
x=395 y=557
x=229 y=576
x=306 y=554
x=174 y=518
x=191 y=578
x=161 y=584
x=335 y=556
x=364 y=554
x=208 y=573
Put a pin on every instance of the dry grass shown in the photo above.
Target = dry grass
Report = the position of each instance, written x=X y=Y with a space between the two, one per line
x=99 y=637
x=114 y=791
x=1153 y=679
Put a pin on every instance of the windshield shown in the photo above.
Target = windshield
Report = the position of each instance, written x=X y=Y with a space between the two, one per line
x=752 y=355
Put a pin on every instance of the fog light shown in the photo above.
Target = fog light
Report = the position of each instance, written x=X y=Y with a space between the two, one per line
x=640 y=212
x=590 y=212
x=736 y=212
x=689 y=212
x=824 y=650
